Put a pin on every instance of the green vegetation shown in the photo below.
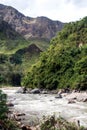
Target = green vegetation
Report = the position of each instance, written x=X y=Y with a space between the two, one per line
x=3 y=106
x=52 y=123
x=15 y=55
x=5 y=122
x=64 y=64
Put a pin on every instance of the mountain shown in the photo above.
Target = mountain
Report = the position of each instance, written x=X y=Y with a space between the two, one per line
x=16 y=54
x=10 y=40
x=7 y=31
x=22 y=39
x=64 y=64
x=40 y=27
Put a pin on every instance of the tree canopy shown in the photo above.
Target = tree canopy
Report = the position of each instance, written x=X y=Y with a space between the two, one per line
x=64 y=64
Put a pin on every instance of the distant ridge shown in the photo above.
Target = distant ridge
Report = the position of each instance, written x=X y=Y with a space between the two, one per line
x=40 y=27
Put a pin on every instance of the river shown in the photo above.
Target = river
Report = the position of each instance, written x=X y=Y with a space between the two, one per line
x=35 y=106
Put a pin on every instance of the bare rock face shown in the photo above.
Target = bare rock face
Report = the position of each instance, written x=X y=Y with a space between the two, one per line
x=7 y=30
x=40 y=27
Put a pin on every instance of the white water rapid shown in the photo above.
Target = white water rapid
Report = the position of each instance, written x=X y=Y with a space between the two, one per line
x=37 y=105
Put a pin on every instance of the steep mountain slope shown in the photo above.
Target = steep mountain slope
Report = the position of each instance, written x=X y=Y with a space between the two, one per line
x=22 y=39
x=9 y=38
x=11 y=41
x=40 y=27
x=16 y=54
x=7 y=31
x=64 y=64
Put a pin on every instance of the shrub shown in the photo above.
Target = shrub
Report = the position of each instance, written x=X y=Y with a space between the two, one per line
x=52 y=123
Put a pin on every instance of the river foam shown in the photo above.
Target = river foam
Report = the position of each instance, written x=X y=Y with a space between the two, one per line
x=35 y=106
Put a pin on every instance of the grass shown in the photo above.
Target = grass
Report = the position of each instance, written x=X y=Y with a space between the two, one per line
x=53 y=123
x=11 y=46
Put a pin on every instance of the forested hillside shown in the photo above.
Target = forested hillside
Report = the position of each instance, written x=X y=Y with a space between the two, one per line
x=16 y=54
x=22 y=39
x=64 y=64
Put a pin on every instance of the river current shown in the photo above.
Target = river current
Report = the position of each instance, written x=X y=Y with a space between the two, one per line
x=35 y=106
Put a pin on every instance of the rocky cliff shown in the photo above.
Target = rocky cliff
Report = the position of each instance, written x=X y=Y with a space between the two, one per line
x=40 y=27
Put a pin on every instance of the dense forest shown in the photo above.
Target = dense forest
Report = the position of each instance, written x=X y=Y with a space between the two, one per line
x=64 y=64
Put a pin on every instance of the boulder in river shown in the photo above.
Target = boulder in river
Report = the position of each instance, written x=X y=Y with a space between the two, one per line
x=85 y=100
x=35 y=91
x=24 y=89
x=71 y=101
x=9 y=104
x=44 y=92
x=59 y=96
x=20 y=90
x=20 y=114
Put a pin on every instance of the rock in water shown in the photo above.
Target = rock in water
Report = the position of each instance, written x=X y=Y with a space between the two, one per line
x=59 y=96
x=20 y=90
x=35 y=91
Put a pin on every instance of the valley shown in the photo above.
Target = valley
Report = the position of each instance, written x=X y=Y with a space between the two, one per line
x=47 y=55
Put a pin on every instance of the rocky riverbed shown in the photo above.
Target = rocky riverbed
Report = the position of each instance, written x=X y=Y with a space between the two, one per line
x=35 y=106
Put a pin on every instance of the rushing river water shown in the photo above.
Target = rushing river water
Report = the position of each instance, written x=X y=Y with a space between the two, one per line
x=35 y=106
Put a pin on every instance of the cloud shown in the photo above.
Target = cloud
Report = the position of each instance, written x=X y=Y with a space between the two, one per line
x=78 y=3
x=18 y=4
x=63 y=10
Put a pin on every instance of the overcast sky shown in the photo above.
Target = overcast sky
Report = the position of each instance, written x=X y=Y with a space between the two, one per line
x=63 y=10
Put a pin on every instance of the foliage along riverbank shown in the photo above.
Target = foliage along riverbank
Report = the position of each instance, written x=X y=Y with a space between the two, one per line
x=64 y=64
x=5 y=122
